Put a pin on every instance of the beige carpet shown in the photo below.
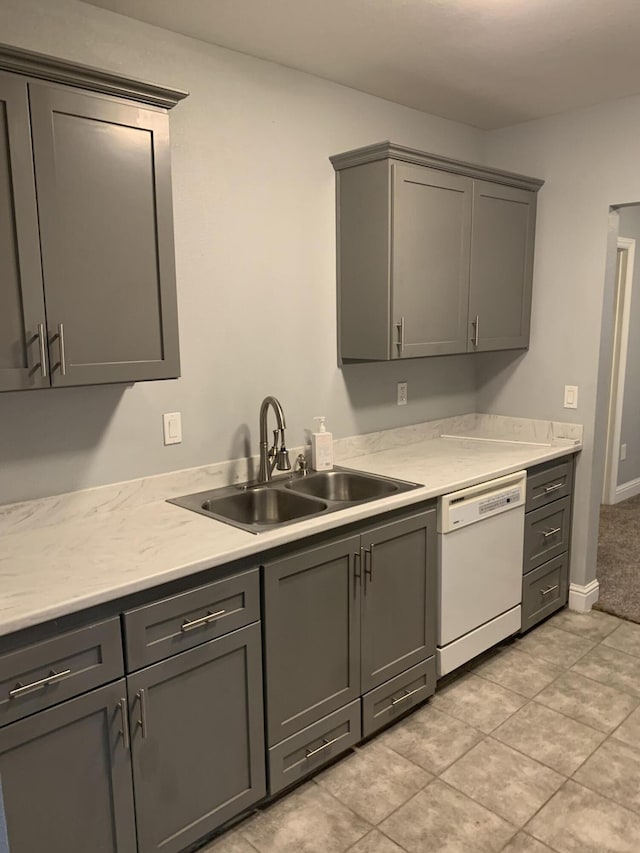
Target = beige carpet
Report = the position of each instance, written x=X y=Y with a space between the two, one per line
x=618 y=569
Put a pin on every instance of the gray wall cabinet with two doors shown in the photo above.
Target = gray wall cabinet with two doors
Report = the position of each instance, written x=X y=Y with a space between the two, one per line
x=87 y=270
x=145 y=731
x=435 y=256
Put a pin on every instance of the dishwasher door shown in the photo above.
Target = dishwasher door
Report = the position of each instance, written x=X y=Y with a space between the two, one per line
x=480 y=560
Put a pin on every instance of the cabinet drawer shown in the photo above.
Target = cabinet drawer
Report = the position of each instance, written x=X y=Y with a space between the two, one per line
x=306 y=751
x=546 y=533
x=389 y=701
x=46 y=673
x=548 y=483
x=544 y=590
x=157 y=631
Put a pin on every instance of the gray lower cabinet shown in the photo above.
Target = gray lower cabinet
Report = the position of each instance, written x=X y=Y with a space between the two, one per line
x=435 y=256
x=87 y=268
x=341 y=619
x=547 y=540
x=65 y=778
x=197 y=740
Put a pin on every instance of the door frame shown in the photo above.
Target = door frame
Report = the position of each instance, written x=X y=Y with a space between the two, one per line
x=624 y=288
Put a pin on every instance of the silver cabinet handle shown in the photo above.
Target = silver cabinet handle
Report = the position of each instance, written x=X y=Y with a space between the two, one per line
x=190 y=624
x=357 y=572
x=405 y=696
x=142 y=722
x=547 y=591
x=400 y=343
x=325 y=745
x=124 y=717
x=42 y=341
x=63 y=357
x=552 y=532
x=476 y=331
x=554 y=488
x=52 y=678
x=367 y=563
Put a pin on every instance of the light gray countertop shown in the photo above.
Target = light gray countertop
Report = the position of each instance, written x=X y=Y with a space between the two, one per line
x=55 y=570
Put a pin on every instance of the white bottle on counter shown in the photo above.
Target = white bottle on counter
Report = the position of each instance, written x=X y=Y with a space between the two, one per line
x=321 y=447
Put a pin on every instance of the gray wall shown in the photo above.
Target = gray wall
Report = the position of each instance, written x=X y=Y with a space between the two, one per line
x=255 y=249
x=629 y=469
x=590 y=161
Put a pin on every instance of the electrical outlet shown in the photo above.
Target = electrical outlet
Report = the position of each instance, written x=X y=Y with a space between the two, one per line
x=172 y=424
x=402 y=393
x=571 y=396
x=623 y=452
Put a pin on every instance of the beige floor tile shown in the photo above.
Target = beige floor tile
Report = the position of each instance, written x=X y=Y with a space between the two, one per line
x=308 y=820
x=614 y=771
x=517 y=671
x=442 y=820
x=505 y=781
x=431 y=739
x=626 y=637
x=588 y=702
x=594 y=625
x=373 y=781
x=559 y=648
x=629 y=730
x=577 y=820
x=611 y=666
x=524 y=843
x=549 y=737
x=231 y=842
x=478 y=702
x=376 y=842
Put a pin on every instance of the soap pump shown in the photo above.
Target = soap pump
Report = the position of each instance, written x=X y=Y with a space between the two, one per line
x=321 y=447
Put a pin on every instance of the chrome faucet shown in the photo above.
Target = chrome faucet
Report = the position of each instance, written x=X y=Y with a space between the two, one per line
x=273 y=457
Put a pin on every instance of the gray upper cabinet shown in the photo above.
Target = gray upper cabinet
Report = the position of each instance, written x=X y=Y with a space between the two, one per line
x=94 y=254
x=22 y=319
x=435 y=256
x=66 y=777
x=501 y=266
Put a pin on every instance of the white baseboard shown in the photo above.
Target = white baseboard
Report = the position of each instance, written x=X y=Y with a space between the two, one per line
x=582 y=598
x=627 y=490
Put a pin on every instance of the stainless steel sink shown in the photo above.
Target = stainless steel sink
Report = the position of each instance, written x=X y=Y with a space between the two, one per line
x=285 y=500
x=263 y=505
x=344 y=486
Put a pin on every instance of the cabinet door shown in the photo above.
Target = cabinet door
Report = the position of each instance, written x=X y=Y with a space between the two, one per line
x=104 y=200
x=21 y=300
x=399 y=597
x=65 y=778
x=431 y=250
x=312 y=635
x=197 y=740
x=501 y=267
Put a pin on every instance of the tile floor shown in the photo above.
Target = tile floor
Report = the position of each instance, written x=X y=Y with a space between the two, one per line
x=535 y=747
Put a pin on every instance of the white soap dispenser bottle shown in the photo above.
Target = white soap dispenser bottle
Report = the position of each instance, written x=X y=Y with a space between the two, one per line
x=321 y=447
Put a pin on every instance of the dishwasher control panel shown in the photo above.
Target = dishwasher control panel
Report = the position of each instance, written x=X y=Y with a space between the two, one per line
x=476 y=503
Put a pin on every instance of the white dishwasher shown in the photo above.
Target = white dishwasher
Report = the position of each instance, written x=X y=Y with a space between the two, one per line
x=480 y=543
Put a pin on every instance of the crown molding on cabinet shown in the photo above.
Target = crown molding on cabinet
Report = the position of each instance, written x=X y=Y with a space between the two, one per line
x=56 y=70
x=389 y=150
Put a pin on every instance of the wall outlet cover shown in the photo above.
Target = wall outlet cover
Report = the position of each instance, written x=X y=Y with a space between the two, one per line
x=402 y=393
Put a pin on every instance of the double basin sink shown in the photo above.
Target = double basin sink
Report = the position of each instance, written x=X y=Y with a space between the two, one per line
x=284 y=500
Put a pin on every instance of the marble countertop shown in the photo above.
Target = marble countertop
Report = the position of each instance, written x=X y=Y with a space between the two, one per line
x=57 y=569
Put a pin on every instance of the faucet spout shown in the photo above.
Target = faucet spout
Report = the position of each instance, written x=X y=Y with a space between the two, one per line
x=269 y=457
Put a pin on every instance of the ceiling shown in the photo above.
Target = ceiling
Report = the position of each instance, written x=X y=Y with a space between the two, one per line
x=488 y=63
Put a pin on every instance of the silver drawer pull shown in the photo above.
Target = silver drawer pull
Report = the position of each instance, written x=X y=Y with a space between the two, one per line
x=52 y=678
x=142 y=722
x=189 y=625
x=407 y=694
x=124 y=716
x=552 y=532
x=400 y=342
x=547 y=591
x=43 y=350
x=325 y=744
x=554 y=488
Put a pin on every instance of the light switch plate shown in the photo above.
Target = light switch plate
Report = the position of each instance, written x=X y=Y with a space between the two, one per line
x=623 y=452
x=571 y=396
x=172 y=423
